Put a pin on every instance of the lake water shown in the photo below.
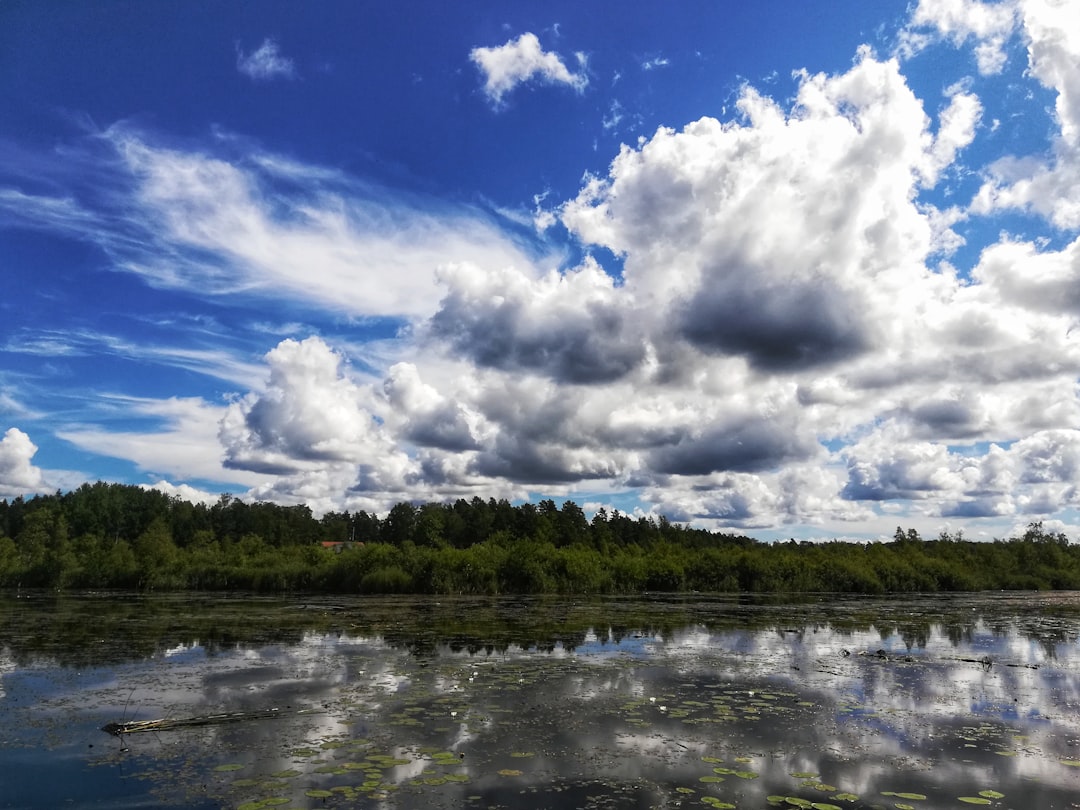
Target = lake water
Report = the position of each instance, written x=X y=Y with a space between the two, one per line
x=647 y=702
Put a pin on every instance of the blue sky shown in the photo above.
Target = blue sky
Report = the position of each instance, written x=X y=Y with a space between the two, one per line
x=788 y=269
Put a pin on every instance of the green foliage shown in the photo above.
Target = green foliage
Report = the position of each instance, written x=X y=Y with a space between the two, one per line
x=115 y=536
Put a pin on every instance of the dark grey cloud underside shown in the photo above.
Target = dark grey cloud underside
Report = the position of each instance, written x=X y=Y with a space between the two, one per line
x=524 y=462
x=598 y=347
x=445 y=429
x=776 y=328
x=753 y=446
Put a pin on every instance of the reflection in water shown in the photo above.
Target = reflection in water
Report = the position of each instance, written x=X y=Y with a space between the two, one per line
x=659 y=702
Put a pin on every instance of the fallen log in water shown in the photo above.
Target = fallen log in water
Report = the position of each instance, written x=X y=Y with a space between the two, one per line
x=168 y=724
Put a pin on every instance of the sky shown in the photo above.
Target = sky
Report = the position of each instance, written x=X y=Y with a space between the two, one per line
x=805 y=270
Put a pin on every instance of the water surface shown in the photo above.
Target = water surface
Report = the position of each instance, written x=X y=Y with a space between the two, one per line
x=657 y=701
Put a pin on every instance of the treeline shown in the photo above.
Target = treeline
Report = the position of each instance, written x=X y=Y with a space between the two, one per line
x=119 y=536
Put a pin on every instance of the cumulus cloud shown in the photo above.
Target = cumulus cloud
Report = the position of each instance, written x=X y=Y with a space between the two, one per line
x=799 y=494
x=745 y=444
x=772 y=238
x=432 y=420
x=570 y=326
x=1035 y=475
x=1048 y=186
x=309 y=412
x=18 y=475
x=265 y=63
x=520 y=60
x=1041 y=281
x=882 y=468
x=185 y=492
x=989 y=24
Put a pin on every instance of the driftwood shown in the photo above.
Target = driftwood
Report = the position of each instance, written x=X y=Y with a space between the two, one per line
x=168 y=724
x=985 y=662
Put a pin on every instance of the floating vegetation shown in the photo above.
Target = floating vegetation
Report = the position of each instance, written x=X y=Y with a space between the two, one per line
x=712 y=801
x=991 y=794
x=230 y=766
x=973 y=800
x=510 y=772
x=258 y=804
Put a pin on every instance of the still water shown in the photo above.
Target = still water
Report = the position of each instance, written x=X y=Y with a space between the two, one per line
x=647 y=702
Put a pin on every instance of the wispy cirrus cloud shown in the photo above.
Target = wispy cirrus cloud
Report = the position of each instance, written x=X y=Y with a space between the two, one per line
x=216 y=222
x=180 y=439
x=216 y=362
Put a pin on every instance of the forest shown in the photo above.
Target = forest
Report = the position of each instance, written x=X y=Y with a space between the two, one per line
x=105 y=535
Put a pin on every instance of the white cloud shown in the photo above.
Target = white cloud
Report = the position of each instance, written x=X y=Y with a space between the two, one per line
x=1049 y=186
x=265 y=63
x=956 y=128
x=989 y=24
x=777 y=238
x=1034 y=476
x=1041 y=281
x=308 y=413
x=567 y=325
x=18 y=475
x=218 y=363
x=185 y=492
x=798 y=495
x=182 y=444
x=259 y=225
x=520 y=60
x=314 y=433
